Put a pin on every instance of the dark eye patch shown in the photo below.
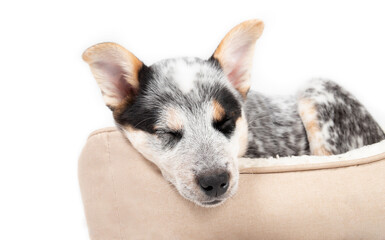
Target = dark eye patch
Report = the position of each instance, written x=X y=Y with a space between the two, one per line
x=225 y=126
x=231 y=111
x=169 y=137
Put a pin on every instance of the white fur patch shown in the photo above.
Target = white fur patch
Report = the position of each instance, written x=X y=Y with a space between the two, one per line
x=185 y=75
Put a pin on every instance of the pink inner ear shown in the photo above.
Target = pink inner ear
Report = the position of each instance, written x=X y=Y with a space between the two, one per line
x=238 y=65
x=126 y=88
x=117 y=77
x=235 y=76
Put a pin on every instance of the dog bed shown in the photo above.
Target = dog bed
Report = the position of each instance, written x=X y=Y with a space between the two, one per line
x=307 y=197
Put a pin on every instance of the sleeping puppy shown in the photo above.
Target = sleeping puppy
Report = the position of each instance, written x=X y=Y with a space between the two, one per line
x=194 y=117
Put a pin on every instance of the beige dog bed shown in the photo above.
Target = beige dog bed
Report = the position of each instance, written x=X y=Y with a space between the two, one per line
x=337 y=197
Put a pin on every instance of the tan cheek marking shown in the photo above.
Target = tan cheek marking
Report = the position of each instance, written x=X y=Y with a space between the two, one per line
x=243 y=136
x=136 y=137
x=174 y=121
x=218 y=111
x=308 y=114
x=139 y=140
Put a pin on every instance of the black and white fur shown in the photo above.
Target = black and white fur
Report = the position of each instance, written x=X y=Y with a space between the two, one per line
x=193 y=118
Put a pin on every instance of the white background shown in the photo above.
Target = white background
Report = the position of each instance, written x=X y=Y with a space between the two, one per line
x=50 y=102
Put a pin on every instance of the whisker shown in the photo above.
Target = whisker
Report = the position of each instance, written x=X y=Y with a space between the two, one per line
x=146 y=119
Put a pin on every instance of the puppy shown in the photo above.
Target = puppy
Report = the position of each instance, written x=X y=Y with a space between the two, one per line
x=193 y=117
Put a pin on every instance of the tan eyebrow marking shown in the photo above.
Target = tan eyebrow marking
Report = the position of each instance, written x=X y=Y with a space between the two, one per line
x=173 y=120
x=218 y=111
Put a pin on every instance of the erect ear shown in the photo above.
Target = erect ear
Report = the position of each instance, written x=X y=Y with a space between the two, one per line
x=115 y=70
x=235 y=53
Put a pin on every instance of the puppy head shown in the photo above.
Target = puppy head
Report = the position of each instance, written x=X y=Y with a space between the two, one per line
x=185 y=114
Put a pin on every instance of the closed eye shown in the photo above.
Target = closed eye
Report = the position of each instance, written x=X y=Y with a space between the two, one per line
x=169 y=137
x=225 y=126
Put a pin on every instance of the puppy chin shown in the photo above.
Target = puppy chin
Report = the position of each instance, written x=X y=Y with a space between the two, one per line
x=211 y=204
x=206 y=204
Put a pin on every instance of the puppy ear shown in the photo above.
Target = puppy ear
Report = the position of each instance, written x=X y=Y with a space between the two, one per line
x=115 y=70
x=235 y=53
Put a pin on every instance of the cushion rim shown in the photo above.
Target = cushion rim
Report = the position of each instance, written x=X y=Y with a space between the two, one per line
x=285 y=168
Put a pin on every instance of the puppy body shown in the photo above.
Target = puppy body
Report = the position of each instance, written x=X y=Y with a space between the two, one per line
x=193 y=118
x=323 y=119
x=274 y=127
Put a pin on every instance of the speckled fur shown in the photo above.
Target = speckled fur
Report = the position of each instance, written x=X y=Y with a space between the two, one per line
x=201 y=148
x=275 y=128
x=344 y=122
x=195 y=117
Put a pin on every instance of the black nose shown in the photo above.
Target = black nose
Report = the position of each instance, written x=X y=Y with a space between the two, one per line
x=214 y=185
